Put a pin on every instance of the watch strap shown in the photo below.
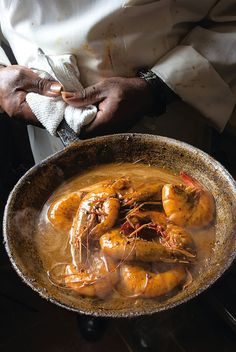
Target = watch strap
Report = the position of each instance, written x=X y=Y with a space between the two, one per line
x=157 y=87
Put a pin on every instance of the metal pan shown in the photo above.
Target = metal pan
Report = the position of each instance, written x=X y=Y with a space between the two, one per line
x=36 y=186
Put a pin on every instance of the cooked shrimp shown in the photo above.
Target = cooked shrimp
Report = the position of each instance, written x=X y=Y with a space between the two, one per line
x=108 y=216
x=123 y=248
x=137 y=280
x=83 y=222
x=171 y=236
x=188 y=205
x=103 y=206
x=137 y=216
x=95 y=281
x=144 y=193
x=178 y=239
x=94 y=186
x=62 y=211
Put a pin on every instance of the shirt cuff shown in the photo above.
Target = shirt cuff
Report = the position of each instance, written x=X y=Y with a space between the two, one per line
x=195 y=80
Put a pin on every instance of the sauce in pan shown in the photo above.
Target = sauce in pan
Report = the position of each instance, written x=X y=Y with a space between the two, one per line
x=120 y=230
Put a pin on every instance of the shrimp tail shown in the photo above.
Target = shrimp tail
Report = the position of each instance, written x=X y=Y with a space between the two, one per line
x=189 y=180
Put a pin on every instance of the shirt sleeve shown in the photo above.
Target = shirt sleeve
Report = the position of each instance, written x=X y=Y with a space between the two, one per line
x=3 y=57
x=202 y=68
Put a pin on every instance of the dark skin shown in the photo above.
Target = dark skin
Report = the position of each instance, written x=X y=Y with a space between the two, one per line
x=15 y=82
x=120 y=101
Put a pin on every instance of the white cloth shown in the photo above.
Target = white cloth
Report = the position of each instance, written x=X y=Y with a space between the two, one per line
x=115 y=38
x=51 y=111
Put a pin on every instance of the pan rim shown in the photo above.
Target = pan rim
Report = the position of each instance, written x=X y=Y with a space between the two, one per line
x=109 y=312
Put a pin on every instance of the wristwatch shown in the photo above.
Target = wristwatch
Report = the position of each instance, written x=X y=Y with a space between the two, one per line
x=158 y=88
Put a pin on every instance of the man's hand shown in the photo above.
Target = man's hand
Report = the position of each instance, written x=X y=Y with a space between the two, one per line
x=15 y=82
x=121 y=102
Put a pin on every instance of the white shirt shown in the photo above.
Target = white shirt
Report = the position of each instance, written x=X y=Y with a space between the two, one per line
x=116 y=37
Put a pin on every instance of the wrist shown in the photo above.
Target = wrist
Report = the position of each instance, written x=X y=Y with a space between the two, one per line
x=145 y=100
x=162 y=94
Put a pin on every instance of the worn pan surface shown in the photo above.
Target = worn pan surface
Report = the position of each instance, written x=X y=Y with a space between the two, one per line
x=35 y=187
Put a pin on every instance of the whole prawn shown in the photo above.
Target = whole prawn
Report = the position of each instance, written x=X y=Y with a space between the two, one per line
x=63 y=210
x=139 y=281
x=123 y=248
x=103 y=206
x=173 y=237
x=188 y=204
x=145 y=192
x=95 y=281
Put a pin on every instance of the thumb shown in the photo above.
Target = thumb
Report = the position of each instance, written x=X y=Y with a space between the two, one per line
x=90 y=95
x=44 y=87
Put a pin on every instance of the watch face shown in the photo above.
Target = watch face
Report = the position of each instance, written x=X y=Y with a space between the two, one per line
x=148 y=75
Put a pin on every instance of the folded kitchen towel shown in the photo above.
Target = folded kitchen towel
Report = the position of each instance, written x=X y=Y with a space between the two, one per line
x=51 y=111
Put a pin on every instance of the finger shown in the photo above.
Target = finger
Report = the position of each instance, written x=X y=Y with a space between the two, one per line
x=95 y=128
x=43 y=86
x=28 y=115
x=110 y=119
x=90 y=95
x=28 y=81
x=102 y=124
x=17 y=107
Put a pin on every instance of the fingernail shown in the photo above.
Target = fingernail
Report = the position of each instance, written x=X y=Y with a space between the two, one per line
x=56 y=88
x=67 y=95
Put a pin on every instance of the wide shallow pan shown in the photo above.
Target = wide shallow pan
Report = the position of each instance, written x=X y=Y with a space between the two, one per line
x=37 y=185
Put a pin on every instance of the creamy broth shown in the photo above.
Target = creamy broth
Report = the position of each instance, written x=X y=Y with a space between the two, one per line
x=53 y=245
